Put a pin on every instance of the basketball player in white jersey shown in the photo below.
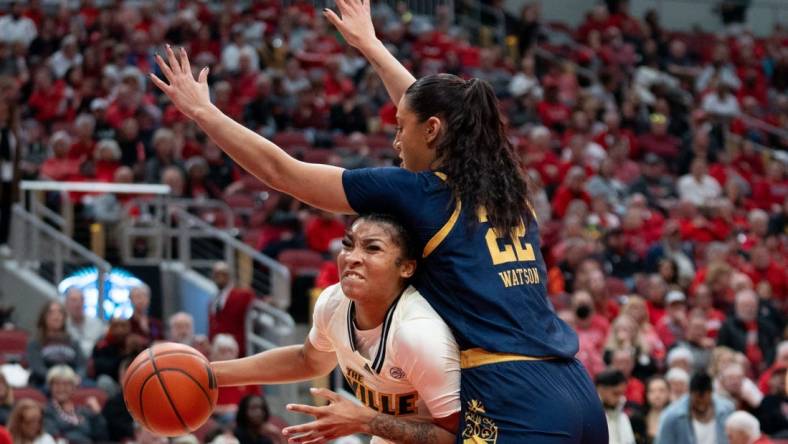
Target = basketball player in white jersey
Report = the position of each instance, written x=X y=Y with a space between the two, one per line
x=396 y=353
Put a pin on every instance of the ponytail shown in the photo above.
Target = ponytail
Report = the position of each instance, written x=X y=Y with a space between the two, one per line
x=474 y=152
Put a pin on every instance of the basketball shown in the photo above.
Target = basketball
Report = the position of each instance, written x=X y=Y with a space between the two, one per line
x=170 y=389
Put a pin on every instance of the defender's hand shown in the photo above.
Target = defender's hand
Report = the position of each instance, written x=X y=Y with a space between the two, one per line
x=356 y=22
x=188 y=95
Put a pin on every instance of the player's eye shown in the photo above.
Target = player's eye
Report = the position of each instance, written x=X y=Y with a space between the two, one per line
x=346 y=243
x=373 y=247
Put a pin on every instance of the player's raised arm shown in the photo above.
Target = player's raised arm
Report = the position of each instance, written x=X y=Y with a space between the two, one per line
x=355 y=24
x=315 y=184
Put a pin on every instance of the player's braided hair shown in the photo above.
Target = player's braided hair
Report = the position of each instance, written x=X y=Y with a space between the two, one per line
x=473 y=149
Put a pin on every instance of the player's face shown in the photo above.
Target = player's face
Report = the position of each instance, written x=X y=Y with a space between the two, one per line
x=414 y=139
x=370 y=263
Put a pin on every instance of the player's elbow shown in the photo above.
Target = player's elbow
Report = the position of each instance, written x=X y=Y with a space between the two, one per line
x=449 y=423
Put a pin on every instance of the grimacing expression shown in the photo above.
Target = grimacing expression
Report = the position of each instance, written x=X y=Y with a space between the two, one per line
x=371 y=262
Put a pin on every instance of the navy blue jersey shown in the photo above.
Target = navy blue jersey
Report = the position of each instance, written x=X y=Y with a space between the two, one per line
x=490 y=290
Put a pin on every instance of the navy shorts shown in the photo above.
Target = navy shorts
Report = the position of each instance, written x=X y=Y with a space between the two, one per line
x=535 y=402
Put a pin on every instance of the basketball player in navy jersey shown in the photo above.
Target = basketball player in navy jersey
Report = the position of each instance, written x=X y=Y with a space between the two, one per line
x=461 y=194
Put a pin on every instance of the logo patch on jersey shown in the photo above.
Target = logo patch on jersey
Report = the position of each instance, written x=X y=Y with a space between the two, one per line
x=396 y=373
x=479 y=429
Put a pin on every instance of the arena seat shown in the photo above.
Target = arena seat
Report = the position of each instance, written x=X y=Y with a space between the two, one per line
x=30 y=393
x=291 y=139
x=81 y=395
x=301 y=262
x=13 y=345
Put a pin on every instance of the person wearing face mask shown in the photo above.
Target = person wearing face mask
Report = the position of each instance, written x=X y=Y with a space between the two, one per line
x=611 y=385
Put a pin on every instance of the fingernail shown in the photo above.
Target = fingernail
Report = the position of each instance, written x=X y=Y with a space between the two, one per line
x=168 y=45
x=312 y=389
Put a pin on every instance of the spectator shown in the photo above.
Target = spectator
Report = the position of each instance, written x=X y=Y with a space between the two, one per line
x=680 y=357
x=15 y=27
x=610 y=385
x=721 y=103
x=699 y=417
x=654 y=183
x=67 y=57
x=704 y=306
x=10 y=161
x=780 y=362
x=745 y=332
x=321 y=229
x=678 y=383
x=624 y=334
x=591 y=331
x=773 y=411
x=571 y=189
x=6 y=400
x=120 y=424
x=227 y=312
x=63 y=418
x=225 y=348
x=329 y=273
x=180 y=328
x=657 y=400
x=119 y=343
x=86 y=330
x=697 y=186
x=623 y=360
x=165 y=155
x=673 y=326
x=253 y=422
x=51 y=345
x=26 y=424
x=635 y=307
x=142 y=323
x=740 y=390
x=698 y=342
x=743 y=428
x=658 y=141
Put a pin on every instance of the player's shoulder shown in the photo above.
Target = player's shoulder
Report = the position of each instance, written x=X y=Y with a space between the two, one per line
x=422 y=179
x=330 y=299
x=415 y=316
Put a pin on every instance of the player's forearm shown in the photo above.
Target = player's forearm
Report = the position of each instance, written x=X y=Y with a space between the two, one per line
x=395 y=77
x=278 y=366
x=404 y=431
x=314 y=184
x=254 y=153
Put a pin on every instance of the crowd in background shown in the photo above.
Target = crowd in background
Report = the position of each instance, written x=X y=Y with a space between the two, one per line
x=662 y=205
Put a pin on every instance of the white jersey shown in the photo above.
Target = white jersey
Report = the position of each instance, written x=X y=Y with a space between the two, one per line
x=407 y=366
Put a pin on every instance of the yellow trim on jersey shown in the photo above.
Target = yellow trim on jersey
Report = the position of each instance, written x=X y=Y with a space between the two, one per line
x=476 y=357
x=443 y=232
x=438 y=237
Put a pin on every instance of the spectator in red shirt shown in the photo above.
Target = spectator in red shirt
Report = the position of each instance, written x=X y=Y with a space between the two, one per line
x=84 y=146
x=591 y=328
x=540 y=157
x=623 y=359
x=571 y=189
x=703 y=304
x=552 y=112
x=655 y=298
x=322 y=229
x=47 y=101
x=329 y=273
x=658 y=141
x=60 y=166
x=765 y=269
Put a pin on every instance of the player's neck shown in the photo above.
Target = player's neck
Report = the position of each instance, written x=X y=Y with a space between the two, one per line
x=370 y=314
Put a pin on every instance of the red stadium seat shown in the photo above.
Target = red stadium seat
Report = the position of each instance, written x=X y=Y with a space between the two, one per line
x=30 y=393
x=13 y=345
x=301 y=262
x=81 y=395
x=317 y=156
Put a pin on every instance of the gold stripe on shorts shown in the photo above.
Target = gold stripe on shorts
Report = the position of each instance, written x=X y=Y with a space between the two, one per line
x=476 y=357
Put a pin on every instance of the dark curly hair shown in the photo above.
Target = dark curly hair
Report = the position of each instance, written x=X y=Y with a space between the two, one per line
x=480 y=163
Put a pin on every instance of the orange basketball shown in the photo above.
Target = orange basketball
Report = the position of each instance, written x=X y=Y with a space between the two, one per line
x=170 y=389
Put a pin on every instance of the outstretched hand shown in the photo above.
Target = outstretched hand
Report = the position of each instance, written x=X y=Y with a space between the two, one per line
x=355 y=23
x=188 y=95
x=341 y=417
